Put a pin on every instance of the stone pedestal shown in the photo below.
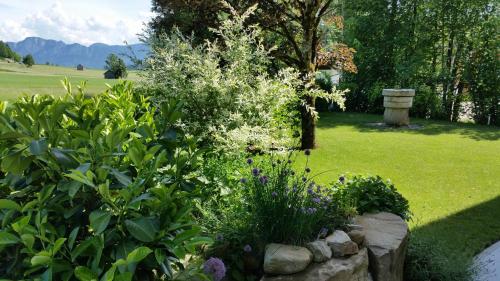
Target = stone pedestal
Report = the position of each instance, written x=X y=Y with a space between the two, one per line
x=397 y=103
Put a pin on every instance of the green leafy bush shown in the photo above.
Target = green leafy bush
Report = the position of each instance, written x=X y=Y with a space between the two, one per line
x=230 y=98
x=97 y=188
x=373 y=194
x=427 y=261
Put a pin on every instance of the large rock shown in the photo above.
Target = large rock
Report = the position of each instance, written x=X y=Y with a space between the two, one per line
x=341 y=244
x=286 y=259
x=320 y=250
x=357 y=236
x=386 y=237
x=354 y=268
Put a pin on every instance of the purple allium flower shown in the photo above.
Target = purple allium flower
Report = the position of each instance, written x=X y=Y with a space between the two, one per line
x=264 y=179
x=308 y=170
x=323 y=232
x=307 y=152
x=342 y=179
x=247 y=248
x=243 y=180
x=219 y=237
x=215 y=267
x=249 y=161
x=255 y=172
x=316 y=200
x=274 y=194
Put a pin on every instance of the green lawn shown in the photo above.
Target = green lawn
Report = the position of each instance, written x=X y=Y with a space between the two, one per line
x=450 y=173
x=17 y=79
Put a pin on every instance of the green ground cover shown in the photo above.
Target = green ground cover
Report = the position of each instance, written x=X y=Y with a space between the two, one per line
x=450 y=173
x=17 y=79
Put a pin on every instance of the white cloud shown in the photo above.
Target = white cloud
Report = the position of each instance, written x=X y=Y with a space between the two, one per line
x=61 y=23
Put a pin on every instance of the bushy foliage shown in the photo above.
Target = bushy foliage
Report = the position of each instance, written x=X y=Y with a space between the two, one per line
x=28 y=60
x=426 y=261
x=6 y=52
x=116 y=66
x=96 y=188
x=230 y=98
x=372 y=194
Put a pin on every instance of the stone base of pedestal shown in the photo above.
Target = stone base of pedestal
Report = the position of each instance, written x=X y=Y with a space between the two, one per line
x=397 y=103
x=397 y=116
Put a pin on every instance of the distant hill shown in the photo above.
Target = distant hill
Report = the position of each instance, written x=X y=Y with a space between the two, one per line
x=60 y=53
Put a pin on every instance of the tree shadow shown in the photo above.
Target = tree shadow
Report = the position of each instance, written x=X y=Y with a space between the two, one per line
x=365 y=123
x=467 y=232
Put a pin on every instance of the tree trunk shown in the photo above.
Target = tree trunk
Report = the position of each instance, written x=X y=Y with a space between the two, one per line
x=308 y=48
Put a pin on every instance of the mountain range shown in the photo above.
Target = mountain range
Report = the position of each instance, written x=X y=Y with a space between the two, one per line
x=70 y=55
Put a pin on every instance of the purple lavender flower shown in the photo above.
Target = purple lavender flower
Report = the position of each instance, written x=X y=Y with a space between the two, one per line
x=323 y=232
x=215 y=267
x=308 y=170
x=249 y=161
x=264 y=179
x=247 y=248
x=316 y=200
x=243 y=180
x=255 y=172
x=274 y=194
x=342 y=179
x=307 y=152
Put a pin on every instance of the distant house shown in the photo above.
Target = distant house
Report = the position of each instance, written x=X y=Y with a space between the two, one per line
x=109 y=74
x=79 y=67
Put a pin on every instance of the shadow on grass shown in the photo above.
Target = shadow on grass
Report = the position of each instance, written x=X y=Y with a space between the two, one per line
x=458 y=233
x=428 y=127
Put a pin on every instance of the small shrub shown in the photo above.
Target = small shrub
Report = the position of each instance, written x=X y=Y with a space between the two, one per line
x=96 y=188
x=373 y=194
x=428 y=261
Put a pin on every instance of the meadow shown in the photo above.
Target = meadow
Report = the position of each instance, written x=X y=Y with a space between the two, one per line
x=17 y=79
x=450 y=173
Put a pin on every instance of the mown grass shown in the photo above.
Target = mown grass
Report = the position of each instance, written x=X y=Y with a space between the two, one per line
x=450 y=173
x=17 y=80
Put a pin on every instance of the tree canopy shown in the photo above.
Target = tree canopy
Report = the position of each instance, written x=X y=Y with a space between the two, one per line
x=301 y=31
x=116 y=66
x=7 y=53
x=28 y=60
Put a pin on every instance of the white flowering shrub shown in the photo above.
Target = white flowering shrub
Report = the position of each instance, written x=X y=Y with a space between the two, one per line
x=229 y=98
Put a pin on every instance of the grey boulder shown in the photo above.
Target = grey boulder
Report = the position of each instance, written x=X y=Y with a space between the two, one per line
x=320 y=250
x=341 y=244
x=353 y=268
x=386 y=237
x=286 y=259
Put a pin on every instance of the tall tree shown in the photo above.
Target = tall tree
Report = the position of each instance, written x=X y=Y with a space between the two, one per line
x=28 y=60
x=294 y=26
x=117 y=66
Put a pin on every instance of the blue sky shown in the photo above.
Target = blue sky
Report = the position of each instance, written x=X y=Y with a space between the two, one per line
x=74 y=21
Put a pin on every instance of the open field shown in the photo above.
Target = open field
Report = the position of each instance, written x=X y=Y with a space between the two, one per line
x=450 y=173
x=17 y=79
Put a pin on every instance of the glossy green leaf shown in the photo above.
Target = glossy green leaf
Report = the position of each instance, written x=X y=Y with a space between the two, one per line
x=99 y=221
x=143 y=229
x=9 y=204
x=138 y=254
x=8 y=238
x=85 y=274
x=38 y=147
x=40 y=260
